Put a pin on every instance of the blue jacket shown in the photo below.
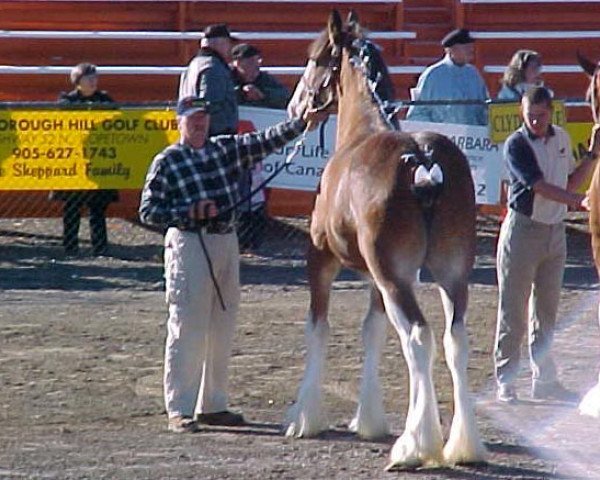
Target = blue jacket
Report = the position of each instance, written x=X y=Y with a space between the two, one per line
x=209 y=77
x=445 y=80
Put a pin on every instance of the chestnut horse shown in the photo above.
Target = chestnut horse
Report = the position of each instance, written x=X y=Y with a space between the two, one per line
x=388 y=204
x=590 y=405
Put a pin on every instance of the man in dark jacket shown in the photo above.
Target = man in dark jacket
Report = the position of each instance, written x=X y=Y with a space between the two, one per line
x=254 y=87
x=85 y=79
x=209 y=77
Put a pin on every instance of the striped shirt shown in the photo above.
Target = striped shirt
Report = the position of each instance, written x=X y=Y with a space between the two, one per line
x=180 y=175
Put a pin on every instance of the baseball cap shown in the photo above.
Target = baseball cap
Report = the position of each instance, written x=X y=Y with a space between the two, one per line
x=190 y=105
x=458 y=36
x=218 y=30
x=244 y=50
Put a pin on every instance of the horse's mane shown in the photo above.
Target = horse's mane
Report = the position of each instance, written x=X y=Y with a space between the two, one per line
x=378 y=72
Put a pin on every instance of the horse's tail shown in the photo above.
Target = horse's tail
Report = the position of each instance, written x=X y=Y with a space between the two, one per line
x=594 y=194
x=428 y=178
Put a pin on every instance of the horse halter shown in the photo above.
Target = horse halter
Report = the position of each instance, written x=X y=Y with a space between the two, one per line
x=330 y=79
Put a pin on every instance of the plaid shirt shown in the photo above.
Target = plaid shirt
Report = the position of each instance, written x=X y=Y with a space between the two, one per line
x=180 y=175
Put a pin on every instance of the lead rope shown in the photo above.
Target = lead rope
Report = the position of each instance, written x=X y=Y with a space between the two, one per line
x=299 y=143
x=212 y=271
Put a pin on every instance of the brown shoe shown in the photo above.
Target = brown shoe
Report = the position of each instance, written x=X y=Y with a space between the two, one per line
x=224 y=419
x=180 y=424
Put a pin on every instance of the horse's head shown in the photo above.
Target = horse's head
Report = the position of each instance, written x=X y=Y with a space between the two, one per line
x=316 y=88
x=593 y=93
x=320 y=85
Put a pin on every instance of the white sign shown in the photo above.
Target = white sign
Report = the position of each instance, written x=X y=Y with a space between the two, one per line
x=304 y=171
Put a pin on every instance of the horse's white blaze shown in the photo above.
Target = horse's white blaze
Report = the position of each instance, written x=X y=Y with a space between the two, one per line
x=464 y=442
x=305 y=418
x=369 y=421
x=422 y=442
x=299 y=101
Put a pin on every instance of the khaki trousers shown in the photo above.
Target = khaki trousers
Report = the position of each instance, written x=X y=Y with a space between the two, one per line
x=199 y=332
x=530 y=264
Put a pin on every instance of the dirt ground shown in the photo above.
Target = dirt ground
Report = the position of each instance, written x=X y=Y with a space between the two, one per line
x=81 y=345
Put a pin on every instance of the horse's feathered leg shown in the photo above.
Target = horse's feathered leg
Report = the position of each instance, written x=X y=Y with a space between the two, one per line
x=464 y=443
x=305 y=417
x=369 y=421
x=422 y=442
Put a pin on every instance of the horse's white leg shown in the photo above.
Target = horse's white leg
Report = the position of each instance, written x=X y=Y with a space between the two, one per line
x=305 y=418
x=369 y=421
x=590 y=404
x=422 y=442
x=464 y=443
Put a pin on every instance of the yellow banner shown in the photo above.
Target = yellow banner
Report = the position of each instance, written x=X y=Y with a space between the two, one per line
x=81 y=150
x=580 y=133
x=505 y=118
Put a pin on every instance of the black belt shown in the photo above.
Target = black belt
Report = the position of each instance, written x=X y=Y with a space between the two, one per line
x=211 y=228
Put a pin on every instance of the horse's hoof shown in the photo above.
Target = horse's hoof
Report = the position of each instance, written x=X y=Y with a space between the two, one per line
x=411 y=451
x=302 y=430
x=369 y=432
x=397 y=466
x=292 y=431
x=465 y=456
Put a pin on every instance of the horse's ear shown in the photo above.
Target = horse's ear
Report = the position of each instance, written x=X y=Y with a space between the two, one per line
x=353 y=24
x=587 y=65
x=334 y=27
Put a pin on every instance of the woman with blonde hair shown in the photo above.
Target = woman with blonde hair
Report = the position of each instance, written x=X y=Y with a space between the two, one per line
x=523 y=72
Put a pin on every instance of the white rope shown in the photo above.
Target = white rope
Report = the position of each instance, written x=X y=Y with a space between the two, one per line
x=527 y=1
x=160 y=70
x=540 y=34
x=156 y=35
x=545 y=69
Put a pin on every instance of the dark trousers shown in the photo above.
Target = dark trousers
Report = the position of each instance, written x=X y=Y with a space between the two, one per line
x=96 y=202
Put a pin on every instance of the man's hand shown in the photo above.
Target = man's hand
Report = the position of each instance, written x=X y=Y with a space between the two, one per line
x=585 y=204
x=313 y=117
x=252 y=93
x=579 y=202
x=202 y=210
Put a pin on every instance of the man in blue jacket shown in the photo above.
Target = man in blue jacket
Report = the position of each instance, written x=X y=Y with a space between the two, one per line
x=452 y=78
x=209 y=77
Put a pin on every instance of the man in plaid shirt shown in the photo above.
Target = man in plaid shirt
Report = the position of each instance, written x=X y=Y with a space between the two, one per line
x=191 y=189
